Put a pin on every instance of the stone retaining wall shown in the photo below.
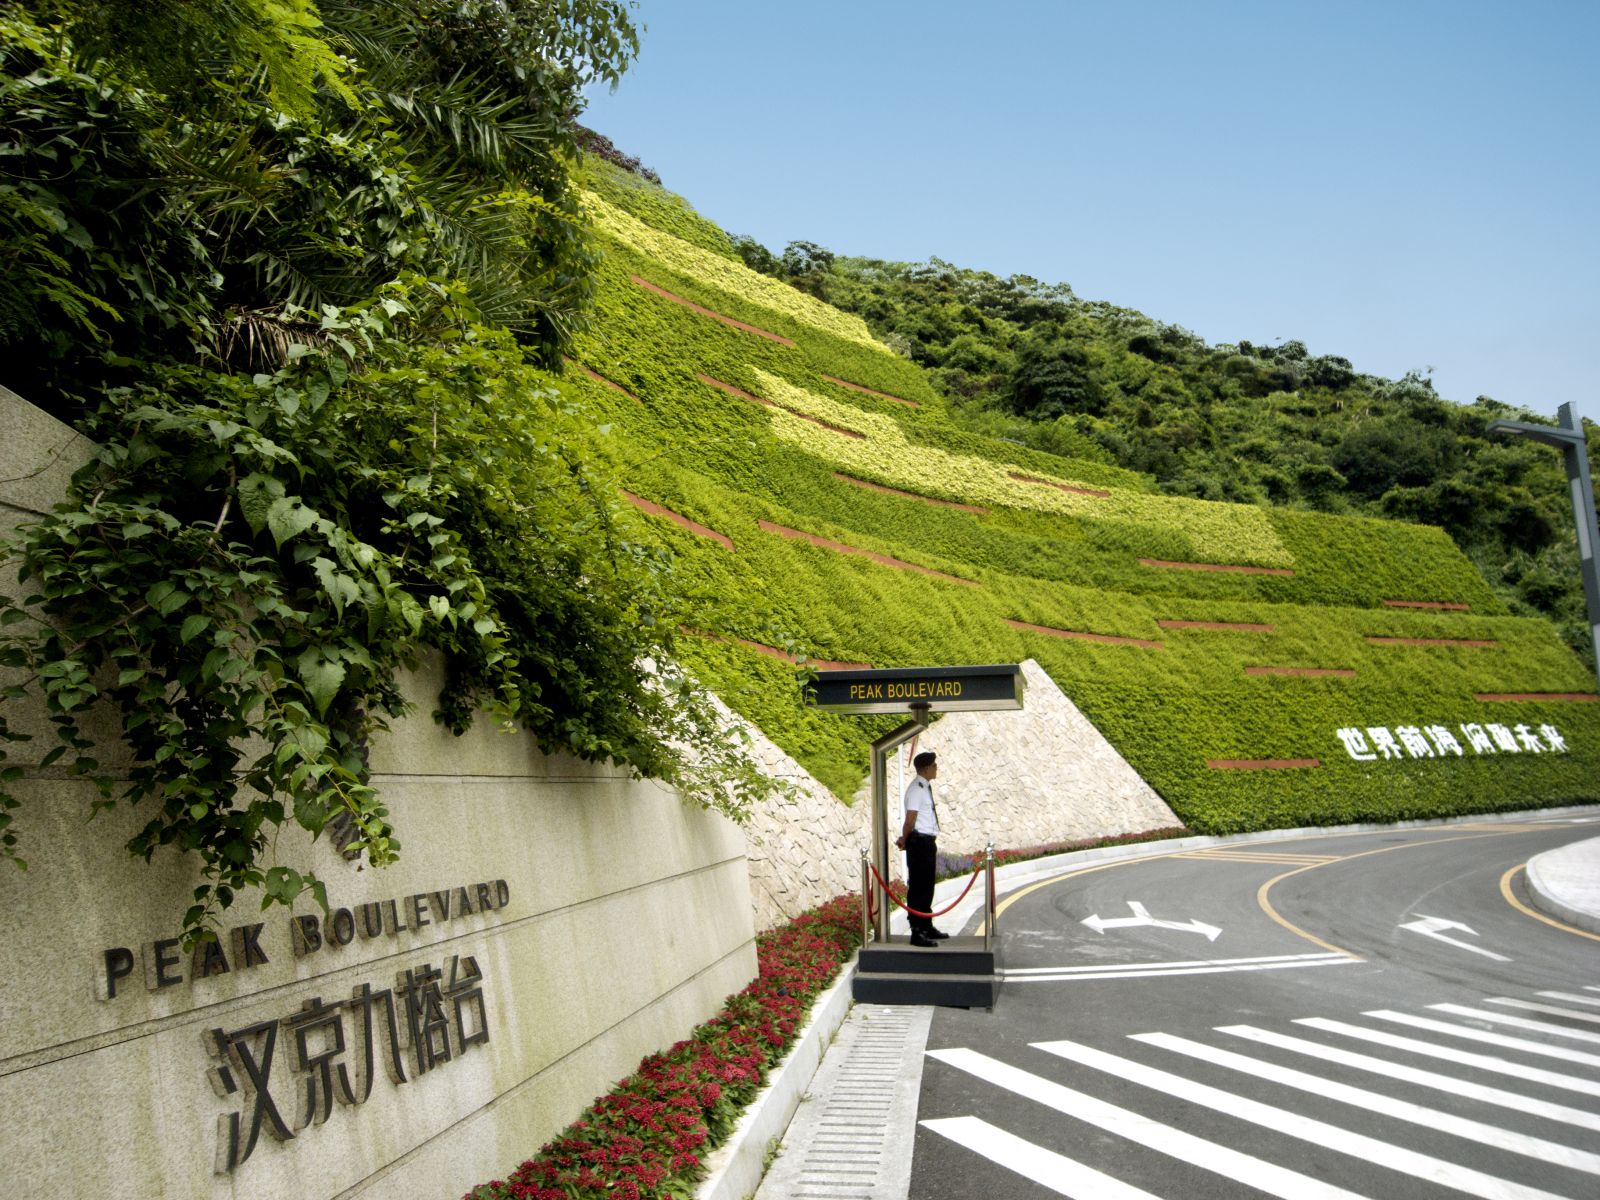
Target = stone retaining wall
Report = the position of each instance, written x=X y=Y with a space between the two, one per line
x=550 y=922
x=1041 y=775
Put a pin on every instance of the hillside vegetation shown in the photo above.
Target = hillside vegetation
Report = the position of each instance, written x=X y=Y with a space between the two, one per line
x=996 y=550
x=380 y=364
x=1251 y=423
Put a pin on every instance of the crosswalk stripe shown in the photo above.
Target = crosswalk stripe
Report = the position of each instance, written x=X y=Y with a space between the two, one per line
x=1377 y=1102
x=1570 y=998
x=1221 y=1160
x=1483 y=1062
x=1062 y=1175
x=1397 y=1158
x=1429 y=1079
x=1067 y=975
x=1484 y=1014
x=1168 y=965
x=1548 y=1009
x=1526 y=1045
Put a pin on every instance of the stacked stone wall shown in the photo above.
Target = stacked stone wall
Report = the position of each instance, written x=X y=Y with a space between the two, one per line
x=1019 y=779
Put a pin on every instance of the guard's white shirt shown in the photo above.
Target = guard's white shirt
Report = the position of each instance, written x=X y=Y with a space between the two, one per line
x=919 y=799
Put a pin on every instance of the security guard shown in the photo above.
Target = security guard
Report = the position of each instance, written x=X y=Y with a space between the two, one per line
x=917 y=839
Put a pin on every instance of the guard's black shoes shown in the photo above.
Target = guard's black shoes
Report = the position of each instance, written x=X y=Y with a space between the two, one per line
x=922 y=939
x=940 y=934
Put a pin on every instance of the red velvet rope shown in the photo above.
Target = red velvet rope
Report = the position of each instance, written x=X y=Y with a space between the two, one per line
x=916 y=912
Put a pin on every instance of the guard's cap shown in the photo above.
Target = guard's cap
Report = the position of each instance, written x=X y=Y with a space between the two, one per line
x=926 y=759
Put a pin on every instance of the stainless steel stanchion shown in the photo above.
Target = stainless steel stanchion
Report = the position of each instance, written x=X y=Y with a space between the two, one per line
x=988 y=897
x=866 y=896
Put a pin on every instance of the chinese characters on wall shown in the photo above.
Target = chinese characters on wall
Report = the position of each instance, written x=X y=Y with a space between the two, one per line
x=285 y=1075
x=329 y=1052
x=1378 y=742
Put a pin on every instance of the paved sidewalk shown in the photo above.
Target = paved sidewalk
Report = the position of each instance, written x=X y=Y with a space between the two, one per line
x=1566 y=883
x=851 y=1138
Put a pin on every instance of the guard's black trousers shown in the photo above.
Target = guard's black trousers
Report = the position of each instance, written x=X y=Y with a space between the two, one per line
x=920 y=849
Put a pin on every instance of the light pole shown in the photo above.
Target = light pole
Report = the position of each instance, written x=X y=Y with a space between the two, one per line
x=1569 y=437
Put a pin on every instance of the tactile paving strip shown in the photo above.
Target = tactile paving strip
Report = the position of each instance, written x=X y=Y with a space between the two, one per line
x=852 y=1136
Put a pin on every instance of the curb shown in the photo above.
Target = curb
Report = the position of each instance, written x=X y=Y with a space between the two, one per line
x=1545 y=875
x=735 y=1168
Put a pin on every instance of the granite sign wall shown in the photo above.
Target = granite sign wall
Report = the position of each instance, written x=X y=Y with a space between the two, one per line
x=548 y=924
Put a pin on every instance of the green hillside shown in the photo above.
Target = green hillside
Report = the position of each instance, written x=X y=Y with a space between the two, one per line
x=1256 y=424
x=819 y=495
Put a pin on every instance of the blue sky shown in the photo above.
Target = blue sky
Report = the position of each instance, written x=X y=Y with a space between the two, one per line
x=1408 y=184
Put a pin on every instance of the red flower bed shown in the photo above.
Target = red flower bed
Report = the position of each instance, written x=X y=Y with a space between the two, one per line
x=644 y=1140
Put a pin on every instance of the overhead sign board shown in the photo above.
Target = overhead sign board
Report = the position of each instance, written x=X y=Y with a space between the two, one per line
x=904 y=689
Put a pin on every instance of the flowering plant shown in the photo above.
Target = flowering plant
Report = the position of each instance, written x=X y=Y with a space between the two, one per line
x=644 y=1139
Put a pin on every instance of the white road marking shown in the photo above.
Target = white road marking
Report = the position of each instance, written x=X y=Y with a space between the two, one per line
x=1377 y=1102
x=1548 y=1009
x=1320 y=1133
x=1062 y=1175
x=1434 y=926
x=1567 y=1115
x=1165 y=1139
x=1483 y=1062
x=1141 y=916
x=1183 y=962
x=1527 y=1045
x=1156 y=970
x=1570 y=998
x=1484 y=1014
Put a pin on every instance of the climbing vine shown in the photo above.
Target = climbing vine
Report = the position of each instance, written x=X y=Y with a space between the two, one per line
x=248 y=563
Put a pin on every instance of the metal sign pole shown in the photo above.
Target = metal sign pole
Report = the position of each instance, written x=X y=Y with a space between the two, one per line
x=1568 y=437
x=880 y=805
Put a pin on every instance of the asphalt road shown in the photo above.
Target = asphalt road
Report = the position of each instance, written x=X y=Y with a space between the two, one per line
x=1376 y=1014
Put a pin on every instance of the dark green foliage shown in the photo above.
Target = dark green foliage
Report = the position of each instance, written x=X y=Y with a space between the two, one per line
x=1051 y=379
x=315 y=462
x=1251 y=423
x=261 y=556
x=160 y=212
x=715 y=459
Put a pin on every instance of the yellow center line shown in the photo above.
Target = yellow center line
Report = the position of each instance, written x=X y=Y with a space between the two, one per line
x=1266 y=905
x=1511 y=899
x=1476 y=831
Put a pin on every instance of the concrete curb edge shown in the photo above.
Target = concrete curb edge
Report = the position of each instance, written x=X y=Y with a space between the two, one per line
x=1546 y=892
x=735 y=1168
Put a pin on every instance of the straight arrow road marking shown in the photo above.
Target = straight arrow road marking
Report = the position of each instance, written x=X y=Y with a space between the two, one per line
x=1320 y=1133
x=1059 y=1174
x=1141 y=916
x=1164 y=1139
x=1434 y=926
